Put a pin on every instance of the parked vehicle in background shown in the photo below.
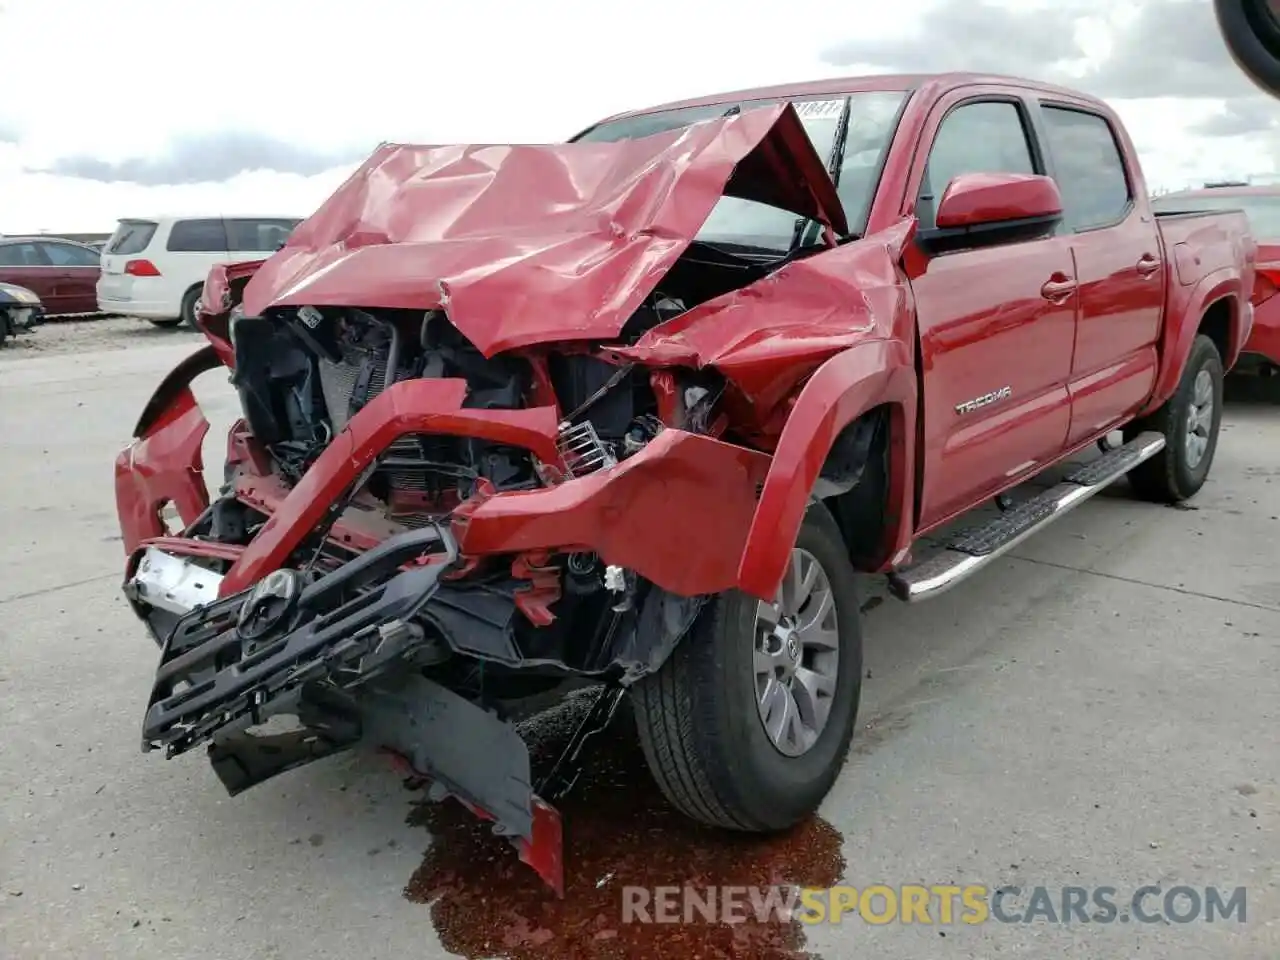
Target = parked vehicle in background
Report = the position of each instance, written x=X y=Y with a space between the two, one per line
x=20 y=310
x=1261 y=204
x=62 y=273
x=634 y=409
x=154 y=267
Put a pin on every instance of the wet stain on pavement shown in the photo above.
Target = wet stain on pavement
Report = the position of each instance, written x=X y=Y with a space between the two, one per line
x=619 y=832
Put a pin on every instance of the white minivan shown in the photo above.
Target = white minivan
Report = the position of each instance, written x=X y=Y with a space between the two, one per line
x=155 y=267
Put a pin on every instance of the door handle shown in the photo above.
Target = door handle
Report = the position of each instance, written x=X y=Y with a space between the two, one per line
x=1057 y=290
x=1147 y=265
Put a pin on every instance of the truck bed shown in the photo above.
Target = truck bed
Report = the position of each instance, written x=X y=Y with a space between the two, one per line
x=1201 y=242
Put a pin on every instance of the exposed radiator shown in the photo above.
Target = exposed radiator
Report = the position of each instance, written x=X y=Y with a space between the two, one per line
x=338 y=381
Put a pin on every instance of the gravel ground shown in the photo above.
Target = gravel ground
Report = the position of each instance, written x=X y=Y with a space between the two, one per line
x=56 y=337
x=1098 y=710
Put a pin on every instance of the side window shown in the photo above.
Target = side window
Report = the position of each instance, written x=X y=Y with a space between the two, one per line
x=258 y=236
x=198 y=236
x=67 y=255
x=21 y=255
x=1089 y=167
x=985 y=137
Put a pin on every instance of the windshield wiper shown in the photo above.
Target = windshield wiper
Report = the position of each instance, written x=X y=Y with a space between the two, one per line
x=835 y=159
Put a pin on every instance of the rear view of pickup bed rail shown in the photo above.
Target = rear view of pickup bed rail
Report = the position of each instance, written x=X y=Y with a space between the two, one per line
x=633 y=411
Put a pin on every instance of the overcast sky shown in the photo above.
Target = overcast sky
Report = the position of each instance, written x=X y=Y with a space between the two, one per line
x=227 y=106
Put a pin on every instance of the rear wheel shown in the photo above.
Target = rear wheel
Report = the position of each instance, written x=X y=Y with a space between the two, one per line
x=4 y=326
x=748 y=723
x=189 y=302
x=1189 y=420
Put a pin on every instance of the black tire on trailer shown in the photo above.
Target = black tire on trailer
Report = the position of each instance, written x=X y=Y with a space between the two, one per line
x=1190 y=421
x=699 y=718
x=189 y=301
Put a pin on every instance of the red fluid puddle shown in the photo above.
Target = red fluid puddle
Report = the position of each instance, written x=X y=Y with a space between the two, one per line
x=619 y=831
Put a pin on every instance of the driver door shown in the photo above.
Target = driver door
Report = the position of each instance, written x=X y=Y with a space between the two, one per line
x=997 y=322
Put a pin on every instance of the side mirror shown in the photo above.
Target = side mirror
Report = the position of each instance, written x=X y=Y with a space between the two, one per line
x=980 y=209
x=992 y=199
x=1251 y=31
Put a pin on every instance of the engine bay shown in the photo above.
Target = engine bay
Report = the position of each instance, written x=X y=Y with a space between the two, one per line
x=500 y=629
x=302 y=373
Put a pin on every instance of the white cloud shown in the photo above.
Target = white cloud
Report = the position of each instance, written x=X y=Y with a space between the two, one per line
x=149 y=78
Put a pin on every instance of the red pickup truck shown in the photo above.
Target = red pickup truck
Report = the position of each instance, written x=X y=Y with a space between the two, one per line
x=632 y=411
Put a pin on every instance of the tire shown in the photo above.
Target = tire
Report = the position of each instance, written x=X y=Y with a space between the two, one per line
x=1180 y=469
x=4 y=326
x=1252 y=37
x=189 y=301
x=699 y=725
x=165 y=324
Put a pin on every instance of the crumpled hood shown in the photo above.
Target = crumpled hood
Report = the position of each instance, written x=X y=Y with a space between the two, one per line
x=532 y=244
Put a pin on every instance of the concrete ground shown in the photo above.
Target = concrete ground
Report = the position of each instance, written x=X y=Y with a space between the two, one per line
x=1099 y=710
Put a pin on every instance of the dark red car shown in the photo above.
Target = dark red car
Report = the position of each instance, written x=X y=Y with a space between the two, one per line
x=1261 y=204
x=63 y=273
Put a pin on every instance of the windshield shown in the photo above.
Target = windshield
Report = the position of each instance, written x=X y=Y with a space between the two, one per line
x=873 y=116
x=1262 y=210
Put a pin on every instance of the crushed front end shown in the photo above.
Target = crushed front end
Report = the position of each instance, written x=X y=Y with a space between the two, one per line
x=419 y=560
x=478 y=463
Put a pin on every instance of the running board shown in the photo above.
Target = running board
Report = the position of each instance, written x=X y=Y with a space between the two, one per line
x=967 y=552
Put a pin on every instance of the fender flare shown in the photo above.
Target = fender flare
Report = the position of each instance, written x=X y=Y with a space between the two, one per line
x=867 y=375
x=1220 y=285
x=175 y=383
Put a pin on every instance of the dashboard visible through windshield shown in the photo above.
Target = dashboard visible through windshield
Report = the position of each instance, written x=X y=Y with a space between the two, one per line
x=738 y=223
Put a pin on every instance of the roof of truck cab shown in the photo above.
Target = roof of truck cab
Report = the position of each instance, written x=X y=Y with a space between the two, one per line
x=937 y=84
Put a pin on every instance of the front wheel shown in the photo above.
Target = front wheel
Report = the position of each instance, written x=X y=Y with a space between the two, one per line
x=1190 y=421
x=748 y=723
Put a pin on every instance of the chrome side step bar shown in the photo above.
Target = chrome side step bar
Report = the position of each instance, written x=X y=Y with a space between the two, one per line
x=968 y=551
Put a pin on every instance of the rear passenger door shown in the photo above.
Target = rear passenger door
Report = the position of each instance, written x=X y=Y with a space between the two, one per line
x=1117 y=252
x=193 y=247
x=77 y=270
x=997 y=322
x=253 y=238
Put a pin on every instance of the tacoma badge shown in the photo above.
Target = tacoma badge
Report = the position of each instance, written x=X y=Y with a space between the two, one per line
x=971 y=405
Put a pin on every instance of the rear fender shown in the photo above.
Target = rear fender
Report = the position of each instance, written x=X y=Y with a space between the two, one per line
x=1192 y=304
x=869 y=375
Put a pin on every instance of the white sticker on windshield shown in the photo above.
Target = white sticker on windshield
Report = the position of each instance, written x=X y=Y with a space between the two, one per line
x=819 y=109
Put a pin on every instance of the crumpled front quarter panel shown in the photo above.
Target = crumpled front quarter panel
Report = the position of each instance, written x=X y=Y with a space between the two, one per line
x=770 y=335
x=530 y=244
x=163 y=466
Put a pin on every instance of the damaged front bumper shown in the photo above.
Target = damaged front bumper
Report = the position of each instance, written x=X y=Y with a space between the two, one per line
x=245 y=638
x=319 y=653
